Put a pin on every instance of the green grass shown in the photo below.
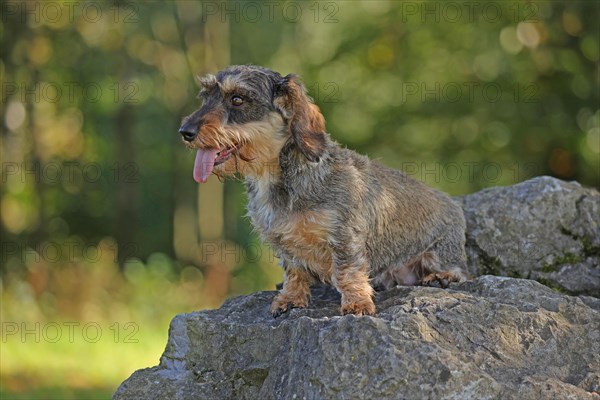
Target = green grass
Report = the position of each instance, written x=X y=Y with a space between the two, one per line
x=79 y=365
x=58 y=393
x=77 y=330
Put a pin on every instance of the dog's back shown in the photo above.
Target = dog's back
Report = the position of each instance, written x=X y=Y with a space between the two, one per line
x=399 y=219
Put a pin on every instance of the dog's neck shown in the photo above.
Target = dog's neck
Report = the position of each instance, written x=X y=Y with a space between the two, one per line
x=293 y=182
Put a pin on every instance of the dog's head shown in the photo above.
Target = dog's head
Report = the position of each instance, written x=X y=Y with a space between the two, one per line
x=248 y=115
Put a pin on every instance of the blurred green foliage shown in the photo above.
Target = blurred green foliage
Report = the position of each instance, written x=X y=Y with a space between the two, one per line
x=100 y=217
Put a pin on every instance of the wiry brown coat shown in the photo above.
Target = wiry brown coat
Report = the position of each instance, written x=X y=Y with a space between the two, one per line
x=331 y=214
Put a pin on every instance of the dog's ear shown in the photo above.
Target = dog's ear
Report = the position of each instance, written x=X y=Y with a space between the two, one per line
x=305 y=121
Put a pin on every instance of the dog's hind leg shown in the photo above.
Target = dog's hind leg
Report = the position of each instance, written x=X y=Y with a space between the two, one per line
x=444 y=278
x=424 y=268
x=447 y=263
x=433 y=273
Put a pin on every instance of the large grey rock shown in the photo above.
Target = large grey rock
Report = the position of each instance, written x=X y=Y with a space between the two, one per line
x=543 y=229
x=491 y=338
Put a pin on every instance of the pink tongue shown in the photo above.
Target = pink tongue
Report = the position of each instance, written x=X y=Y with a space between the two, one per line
x=203 y=166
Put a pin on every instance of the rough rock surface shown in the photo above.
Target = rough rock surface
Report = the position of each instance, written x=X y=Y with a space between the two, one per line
x=543 y=229
x=491 y=338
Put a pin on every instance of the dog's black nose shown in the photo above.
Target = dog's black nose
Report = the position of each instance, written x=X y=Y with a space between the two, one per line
x=188 y=133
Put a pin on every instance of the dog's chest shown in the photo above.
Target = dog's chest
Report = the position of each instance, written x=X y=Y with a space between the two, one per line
x=304 y=235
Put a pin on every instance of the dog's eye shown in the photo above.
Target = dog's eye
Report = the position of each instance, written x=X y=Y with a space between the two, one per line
x=237 y=100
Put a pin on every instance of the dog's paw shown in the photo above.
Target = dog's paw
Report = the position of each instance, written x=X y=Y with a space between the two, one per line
x=277 y=311
x=363 y=307
x=442 y=279
x=281 y=304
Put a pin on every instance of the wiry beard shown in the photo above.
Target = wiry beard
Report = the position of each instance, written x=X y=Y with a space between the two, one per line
x=257 y=146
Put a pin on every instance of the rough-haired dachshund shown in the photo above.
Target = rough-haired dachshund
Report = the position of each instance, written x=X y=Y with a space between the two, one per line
x=330 y=214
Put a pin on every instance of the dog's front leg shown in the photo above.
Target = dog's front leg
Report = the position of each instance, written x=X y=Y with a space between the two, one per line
x=295 y=292
x=351 y=278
